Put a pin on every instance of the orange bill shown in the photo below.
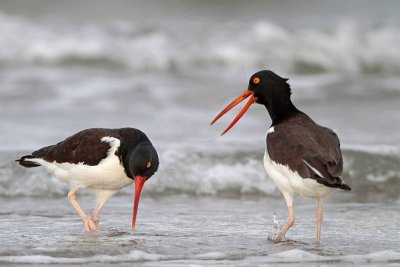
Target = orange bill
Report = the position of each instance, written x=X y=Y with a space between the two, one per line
x=234 y=103
x=139 y=182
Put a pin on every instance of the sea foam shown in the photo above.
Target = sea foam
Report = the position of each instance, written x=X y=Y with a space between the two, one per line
x=216 y=174
x=348 y=47
x=134 y=256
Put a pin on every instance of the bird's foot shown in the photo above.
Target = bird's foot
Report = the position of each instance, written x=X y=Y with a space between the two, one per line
x=96 y=221
x=279 y=238
x=90 y=225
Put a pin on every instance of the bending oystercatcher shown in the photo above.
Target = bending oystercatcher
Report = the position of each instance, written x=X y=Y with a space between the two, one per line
x=300 y=156
x=102 y=161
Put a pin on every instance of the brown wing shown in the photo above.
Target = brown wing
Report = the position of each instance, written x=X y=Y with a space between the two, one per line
x=311 y=150
x=85 y=146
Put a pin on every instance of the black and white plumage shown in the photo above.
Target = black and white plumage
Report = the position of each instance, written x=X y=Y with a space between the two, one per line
x=301 y=156
x=310 y=150
x=100 y=160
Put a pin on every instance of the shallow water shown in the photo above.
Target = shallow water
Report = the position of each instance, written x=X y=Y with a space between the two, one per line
x=221 y=231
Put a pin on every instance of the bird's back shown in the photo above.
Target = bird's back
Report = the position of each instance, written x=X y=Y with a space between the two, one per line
x=87 y=146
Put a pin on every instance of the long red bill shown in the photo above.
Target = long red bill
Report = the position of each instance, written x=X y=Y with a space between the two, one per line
x=139 y=182
x=234 y=103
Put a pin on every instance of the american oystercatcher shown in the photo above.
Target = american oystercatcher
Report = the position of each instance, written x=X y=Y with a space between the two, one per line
x=102 y=161
x=300 y=156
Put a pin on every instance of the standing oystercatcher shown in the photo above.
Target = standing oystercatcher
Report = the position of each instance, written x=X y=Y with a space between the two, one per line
x=300 y=156
x=101 y=160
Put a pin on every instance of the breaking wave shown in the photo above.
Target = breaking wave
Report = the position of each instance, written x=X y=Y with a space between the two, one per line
x=134 y=256
x=290 y=256
x=348 y=47
x=373 y=176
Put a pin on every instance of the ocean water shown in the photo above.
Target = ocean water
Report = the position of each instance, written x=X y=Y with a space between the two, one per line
x=168 y=69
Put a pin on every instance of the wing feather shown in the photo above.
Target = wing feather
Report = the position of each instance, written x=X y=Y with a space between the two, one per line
x=311 y=150
x=83 y=147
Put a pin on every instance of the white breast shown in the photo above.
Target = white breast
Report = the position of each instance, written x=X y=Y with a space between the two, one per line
x=290 y=182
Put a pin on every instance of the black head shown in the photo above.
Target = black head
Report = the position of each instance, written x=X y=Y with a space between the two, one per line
x=143 y=163
x=143 y=160
x=268 y=86
x=268 y=89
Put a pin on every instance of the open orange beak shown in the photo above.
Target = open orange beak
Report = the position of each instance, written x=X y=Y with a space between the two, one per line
x=234 y=103
x=139 y=182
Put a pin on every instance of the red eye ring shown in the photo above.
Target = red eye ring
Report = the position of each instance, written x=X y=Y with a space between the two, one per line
x=256 y=80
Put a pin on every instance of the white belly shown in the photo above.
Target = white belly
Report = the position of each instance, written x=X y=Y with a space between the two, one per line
x=108 y=175
x=290 y=182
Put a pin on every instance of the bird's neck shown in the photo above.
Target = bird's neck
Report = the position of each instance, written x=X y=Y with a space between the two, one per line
x=281 y=110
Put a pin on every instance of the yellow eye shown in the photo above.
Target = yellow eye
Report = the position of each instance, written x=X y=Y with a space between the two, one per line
x=256 y=80
x=148 y=165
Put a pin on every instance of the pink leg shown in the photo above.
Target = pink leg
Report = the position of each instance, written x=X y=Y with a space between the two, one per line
x=96 y=213
x=87 y=222
x=319 y=214
x=290 y=220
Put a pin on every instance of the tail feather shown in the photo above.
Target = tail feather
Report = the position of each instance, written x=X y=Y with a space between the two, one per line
x=345 y=187
x=24 y=161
